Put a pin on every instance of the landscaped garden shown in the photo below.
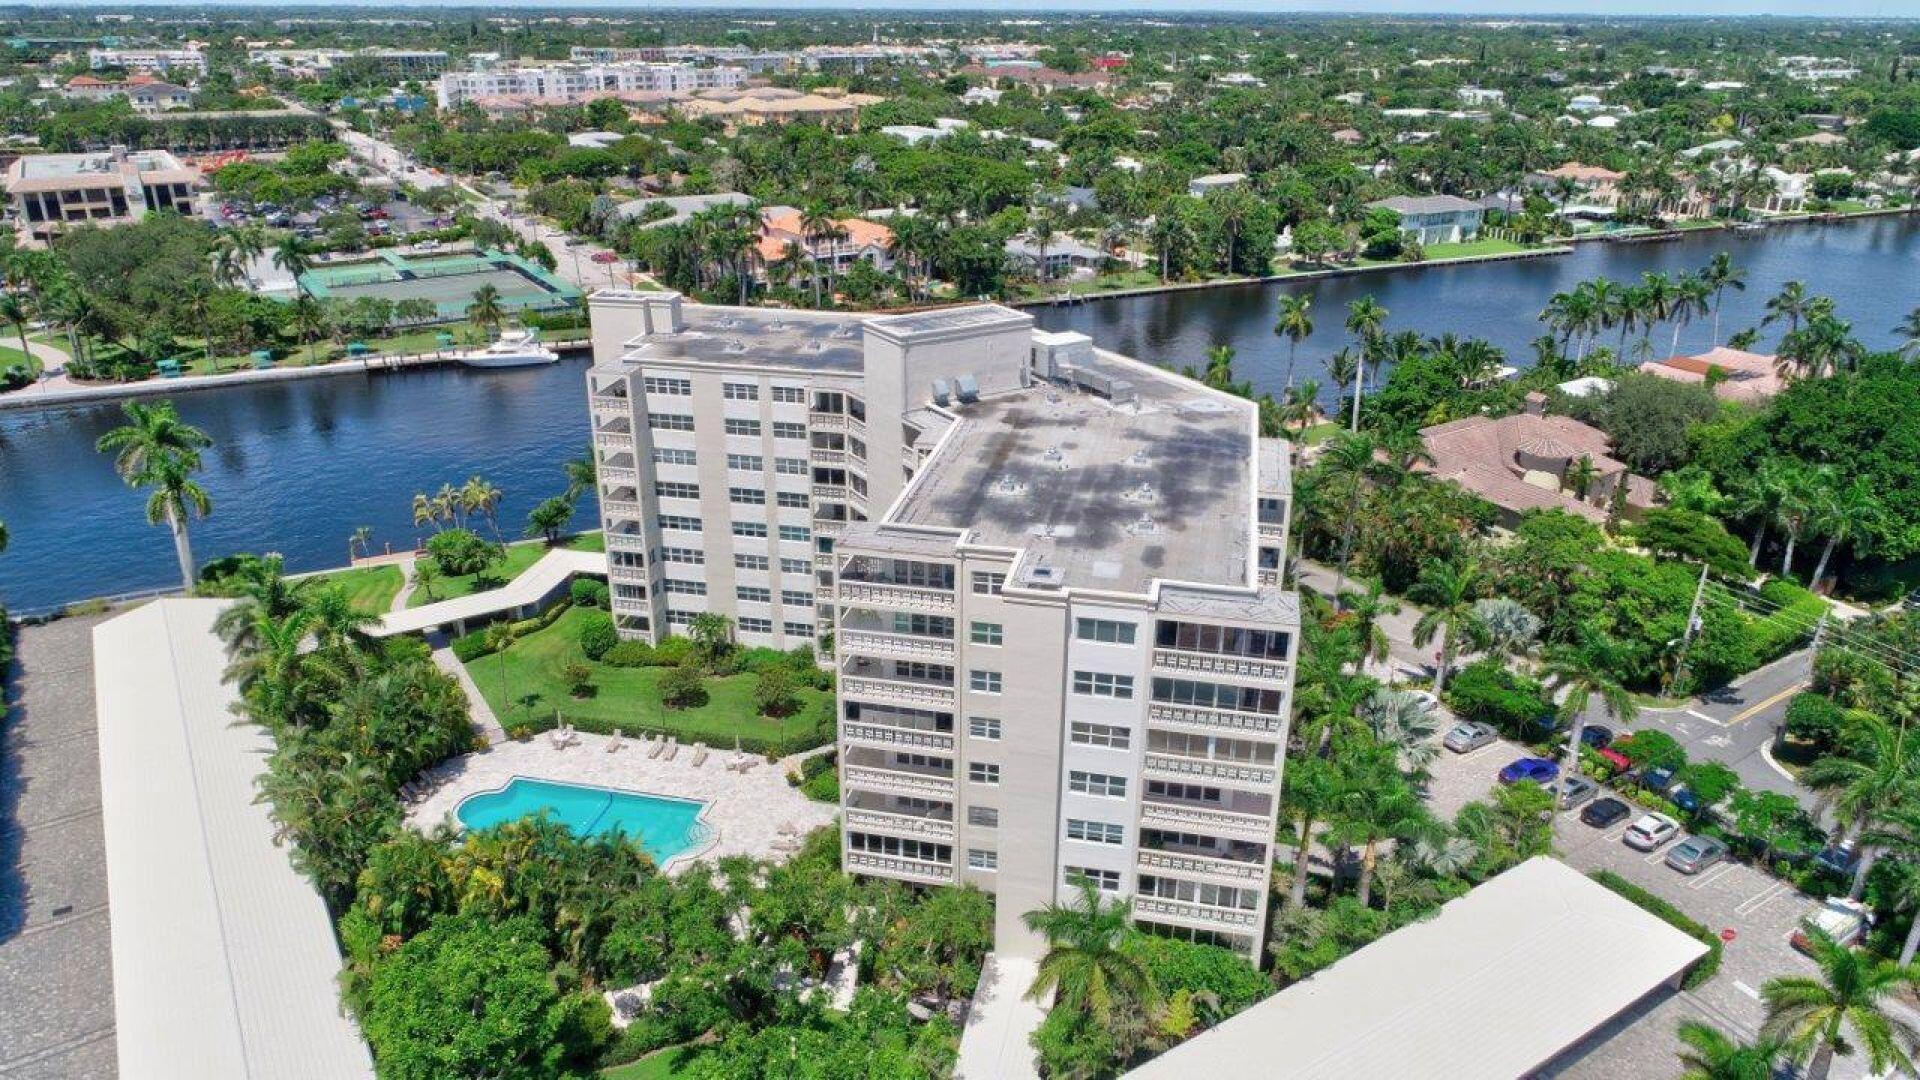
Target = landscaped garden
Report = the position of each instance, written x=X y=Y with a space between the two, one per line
x=370 y=588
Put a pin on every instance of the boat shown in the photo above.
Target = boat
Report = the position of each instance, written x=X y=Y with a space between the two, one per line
x=515 y=348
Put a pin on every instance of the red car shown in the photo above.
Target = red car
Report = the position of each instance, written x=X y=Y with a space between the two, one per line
x=1615 y=760
x=377 y=214
x=605 y=257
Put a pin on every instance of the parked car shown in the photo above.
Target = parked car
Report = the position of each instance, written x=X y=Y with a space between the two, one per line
x=1840 y=859
x=1651 y=831
x=1538 y=770
x=1468 y=736
x=1573 y=791
x=1605 y=813
x=1425 y=698
x=1844 y=921
x=1683 y=797
x=1598 y=736
x=1695 y=854
x=1615 y=760
x=1657 y=780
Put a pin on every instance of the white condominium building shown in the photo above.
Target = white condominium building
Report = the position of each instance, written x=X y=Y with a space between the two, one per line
x=1050 y=573
x=562 y=83
x=164 y=60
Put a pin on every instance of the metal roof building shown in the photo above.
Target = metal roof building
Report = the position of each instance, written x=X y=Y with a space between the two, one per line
x=224 y=959
x=1498 y=984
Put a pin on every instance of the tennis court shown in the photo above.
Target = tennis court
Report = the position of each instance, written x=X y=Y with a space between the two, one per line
x=449 y=281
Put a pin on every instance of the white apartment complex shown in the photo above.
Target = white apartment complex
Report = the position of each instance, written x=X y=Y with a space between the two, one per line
x=161 y=60
x=392 y=63
x=1051 y=574
x=565 y=83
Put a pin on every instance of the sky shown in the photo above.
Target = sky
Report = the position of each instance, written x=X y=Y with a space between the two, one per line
x=1903 y=9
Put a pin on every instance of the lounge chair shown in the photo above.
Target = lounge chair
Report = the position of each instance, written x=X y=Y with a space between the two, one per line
x=699 y=754
x=654 y=750
x=673 y=747
x=615 y=741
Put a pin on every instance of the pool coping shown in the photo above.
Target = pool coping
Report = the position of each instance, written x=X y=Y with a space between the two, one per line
x=685 y=856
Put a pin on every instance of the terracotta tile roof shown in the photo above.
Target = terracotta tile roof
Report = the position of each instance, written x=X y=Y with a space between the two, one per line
x=781 y=224
x=1751 y=376
x=1483 y=454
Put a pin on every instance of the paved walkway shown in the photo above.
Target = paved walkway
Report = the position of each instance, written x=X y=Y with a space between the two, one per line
x=484 y=722
x=534 y=584
x=56 y=964
x=406 y=564
x=994 y=1045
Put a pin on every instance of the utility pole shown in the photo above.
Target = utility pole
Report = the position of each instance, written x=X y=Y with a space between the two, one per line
x=1693 y=625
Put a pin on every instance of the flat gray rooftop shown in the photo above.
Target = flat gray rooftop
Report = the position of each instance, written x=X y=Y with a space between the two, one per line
x=730 y=335
x=1104 y=496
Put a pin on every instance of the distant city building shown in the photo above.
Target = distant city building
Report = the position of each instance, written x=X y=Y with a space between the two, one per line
x=144 y=93
x=51 y=192
x=1476 y=95
x=750 y=106
x=192 y=61
x=571 y=83
x=1240 y=79
x=386 y=63
x=1817 y=69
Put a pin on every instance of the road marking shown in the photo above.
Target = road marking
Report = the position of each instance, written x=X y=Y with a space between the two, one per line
x=1753 y=710
x=1618 y=833
x=1762 y=898
x=1698 y=715
x=1656 y=855
x=1701 y=881
x=1747 y=990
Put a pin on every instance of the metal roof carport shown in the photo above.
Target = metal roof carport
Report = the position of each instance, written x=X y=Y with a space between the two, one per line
x=1497 y=984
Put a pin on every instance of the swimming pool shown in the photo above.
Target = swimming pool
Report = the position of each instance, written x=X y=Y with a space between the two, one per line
x=666 y=828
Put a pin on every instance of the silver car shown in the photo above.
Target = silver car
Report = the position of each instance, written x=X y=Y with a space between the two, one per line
x=1573 y=791
x=1467 y=736
x=1696 y=853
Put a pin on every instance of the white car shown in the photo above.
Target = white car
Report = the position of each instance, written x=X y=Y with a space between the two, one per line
x=1650 y=832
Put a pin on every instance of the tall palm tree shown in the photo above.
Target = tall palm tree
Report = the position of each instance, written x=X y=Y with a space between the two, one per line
x=1449 y=590
x=1308 y=793
x=1877 y=773
x=295 y=256
x=1841 y=512
x=1579 y=678
x=1084 y=963
x=1365 y=317
x=480 y=496
x=1843 y=1008
x=1690 y=296
x=16 y=311
x=1368 y=813
x=1657 y=296
x=1721 y=274
x=310 y=319
x=1367 y=609
x=1349 y=459
x=486 y=311
x=1710 y=1055
x=265 y=595
x=1296 y=325
x=1909 y=331
x=1403 y=720
x=156 y=449
x=581 y=474
x=1790 y=304
x=1896 y=830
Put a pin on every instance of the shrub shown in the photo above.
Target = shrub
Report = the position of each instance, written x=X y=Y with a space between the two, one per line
x=1185 y=965
x=1815 y=719
x=672 y=652
x=1652 y=749
x=1798 y=609
x=774 y=692
x=823 y=788
x=470 y=647
x=462 y=551
x=579 y=679
x=588 y=592
x=629 y=654
x=1673 y=917
x=1485 y=691
x=683 y=686
x=1710 y=781
x=597 y=635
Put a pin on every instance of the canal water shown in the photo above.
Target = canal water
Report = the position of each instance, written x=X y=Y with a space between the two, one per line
x=298 y=465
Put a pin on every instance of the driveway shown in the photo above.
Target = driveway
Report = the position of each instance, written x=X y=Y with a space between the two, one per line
x=1736 y=725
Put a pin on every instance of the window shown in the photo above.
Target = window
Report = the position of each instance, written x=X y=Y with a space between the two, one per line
x=826 y=401
x=1227 y=640
x=795 y=598
x=797 y=533
x=1106 y=631
x=746 y=462
x=792 y=500
x=795 y=566
x=1189 y=792
x=1216 y=696
x=1085 y=734
x=751 y=625
x=690 y=556
x=629 y=592
x=753 y=594
x=1193 y=892
x=1095 y=832
x=857 y=448
x=742 y=427
x=790 y=395
x=665 y=456
x=757 y=529
x=986 y=817
x=680 y=618
x=1103 y=684
x=749 y=562
x=922 y=625
x=685 y=588
x=739 y=391
x=984 y=633
x=676 y=387
x=985 y=584
x=919 y=850
x=797 y=629
x=1104 y=880
x=981 y=772
x=748 y=496
x=983 y=727
x=661 y=421
x=668 y=489
x=983 y=682
x=1093 y=783
x=790 y=466
x=680 y=522
x=785 y=430
x=980 y=859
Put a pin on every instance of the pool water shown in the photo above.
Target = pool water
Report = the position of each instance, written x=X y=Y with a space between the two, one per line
x=665 y=827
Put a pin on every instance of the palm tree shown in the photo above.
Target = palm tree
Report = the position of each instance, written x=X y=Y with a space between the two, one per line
x=1909 y=331
x=1896 y=829
x=478 y=496
x=1719 y=275
x=361 y=540
x=1876 y=774
x=1690 y=296
x=1308 y=794
x=1841 y=512
x=1365 y=316
x=1368 y=813
x=486 y=311
x=156 y=449
x=1367 y=609
x=1657 y=296
x=1403 y=720
x=1579 y=677
x=1296 y=324
x=1504 y=625
x=295 y=256
x=1790 y=303
x=1844 y=1007
x=1581 y=475
x=1349 y=459
x=1711 y=1055
x=265 y=596
x=310 y=319
x=1084 y=963
x=1448 y=589
x=425 y=573
x=581 y=474
x=16 y=311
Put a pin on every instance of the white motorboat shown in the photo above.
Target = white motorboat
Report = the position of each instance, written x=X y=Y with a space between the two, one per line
x=515 y=348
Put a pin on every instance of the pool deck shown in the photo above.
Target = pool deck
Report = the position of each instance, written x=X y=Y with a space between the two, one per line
x=744 y=810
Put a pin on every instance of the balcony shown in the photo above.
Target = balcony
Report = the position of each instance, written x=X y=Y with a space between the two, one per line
x=636 y=605
x=829 y=491
x=1215 y=664
x=829 y=457
x=612 y=475
x=1212 y=721
x=1273 y=530
x=1182 y=818
x=1196 y=914
x=875 y=594
x=896 y=738
x=618 y=508
x=1172 y=767
x=907 y=646
x=617 y=572
x=821 y=421
x=862 y=862
x=897 y=781
x=1219 y=871
x=892 y=692
x=897 y=824
x=609 y=406
x=625 y=541
x=1269 y=577
x=613 y=440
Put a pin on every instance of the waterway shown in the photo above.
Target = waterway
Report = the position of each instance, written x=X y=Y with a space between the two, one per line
x=297 y=466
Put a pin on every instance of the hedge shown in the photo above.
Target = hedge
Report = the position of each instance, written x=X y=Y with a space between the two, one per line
x=752 y=744
x=1674 y=917
x=1779 y=633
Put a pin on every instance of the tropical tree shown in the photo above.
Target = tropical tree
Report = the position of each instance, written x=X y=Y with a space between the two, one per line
x=1365 y=317
x=481 y=497
x=1790 y=304
x=1448 y=590
x=1308 y=793
x=582 y=474
x=1909 y=331
x=1719 y=275
x=1709 y=1054
x=1876 y=774
x=1084 y=964
x=425 y=573
x=548 y=517
x=264 y=594
x=1896 y=830
x=1849 y=1005
x=1580 y=677
x=1366 y=610
x=17 y=311
x=1384 y=807
x=1296 y=325
x=1349 y=462
x=360 y=540
x=1405 y=721
x=155 y=449
x=486 y=311
x=1504 y=625
x=311 y=321
x=294 y=256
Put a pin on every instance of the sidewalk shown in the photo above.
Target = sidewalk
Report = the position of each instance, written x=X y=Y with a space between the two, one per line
x=484 y=722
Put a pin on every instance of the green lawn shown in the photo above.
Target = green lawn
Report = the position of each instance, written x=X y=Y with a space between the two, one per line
x=1471 y=248
x=526 y=687
x=372 y=588
x=1126 y=279
x=519 y=558
x=12 y=357
x=587 y=541
x=674 y=1061
x=1320 y=433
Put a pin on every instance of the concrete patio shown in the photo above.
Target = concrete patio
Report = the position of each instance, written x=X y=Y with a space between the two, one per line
x=745 y=811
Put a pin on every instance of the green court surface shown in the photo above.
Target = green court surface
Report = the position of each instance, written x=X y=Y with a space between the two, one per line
x=449 y=281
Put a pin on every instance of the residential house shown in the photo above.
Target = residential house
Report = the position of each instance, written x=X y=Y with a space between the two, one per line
x=1480 y=95
x=1063 y=256
x=1200 y=185
x=863 y=241
x=1531 y=461
x=752 y=106
x=676 y=209
x=1745 y=377
x=1592 y=184
x=1434 y=219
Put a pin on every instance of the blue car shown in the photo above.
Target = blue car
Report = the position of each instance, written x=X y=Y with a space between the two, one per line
x=1538 y=770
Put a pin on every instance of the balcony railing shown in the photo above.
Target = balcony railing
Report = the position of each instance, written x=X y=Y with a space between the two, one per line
x=1229 y=772
x=1186 y=716
x=829 y=457
x=626 y=573
x=902 y=824
x=1272 y=530
x=605 y=405
x=1209 y=821
x=863 y=862
x=1158 y=905
x=611 y=475
x=882 y=735
x=613 y=440
x=619 y=541
x=868 y=642
x=1205 y=866
x=827 y=421
x=900 y=596
x=918 y=695
x=894 y=782
x=1269 y=577
x=636 y=604
x=618 y=508
x=1213 y=664
x=829 y=491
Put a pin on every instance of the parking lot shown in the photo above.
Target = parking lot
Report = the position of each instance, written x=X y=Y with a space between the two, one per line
x=1753 y=912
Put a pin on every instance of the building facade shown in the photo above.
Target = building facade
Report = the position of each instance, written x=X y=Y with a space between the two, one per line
x=1050 y=574
x=51 y=192
x=564 y=83
x=191 y=61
